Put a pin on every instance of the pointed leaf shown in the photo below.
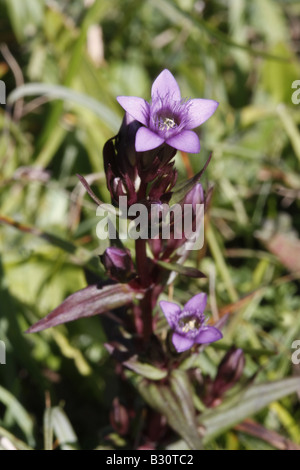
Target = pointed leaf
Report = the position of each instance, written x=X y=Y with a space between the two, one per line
x=146 y=370
x=87 y=302
x=246 y=404
x=63 y=429
x=161 y=398
x=182 y=189
x=181 y=386
x=66 y=94
x=17 y=443
x=18 y=413
x=48 y=429
x=178 y=268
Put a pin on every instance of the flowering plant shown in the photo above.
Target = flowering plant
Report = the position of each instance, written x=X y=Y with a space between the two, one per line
x=139 y=167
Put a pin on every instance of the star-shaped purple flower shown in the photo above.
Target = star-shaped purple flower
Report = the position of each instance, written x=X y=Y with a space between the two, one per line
x=189 y=325
x=168 y=118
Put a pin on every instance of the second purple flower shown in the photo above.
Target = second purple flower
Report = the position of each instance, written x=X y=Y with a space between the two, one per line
x=189 y=325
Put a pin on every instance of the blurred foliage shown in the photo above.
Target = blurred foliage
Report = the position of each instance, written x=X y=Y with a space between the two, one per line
x=243 y=54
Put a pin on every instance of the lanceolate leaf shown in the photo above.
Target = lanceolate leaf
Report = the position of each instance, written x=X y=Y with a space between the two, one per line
x=146 y=370
x=178 y=268
x=254 y=399
x=18 y=413
x=17 y=443
x=65 y=94
x=182 y=189
x=63 y=429
x=183 y=390
x=85 y=303
x=168 y=402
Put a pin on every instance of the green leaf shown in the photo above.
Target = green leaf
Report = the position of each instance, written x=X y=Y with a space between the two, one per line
x=182 y=189
x=146 y=370
x=84 y=257
x=168 y=402
x=66 y=94
x=182 y=388
x=17 y=443
x=246 y=404
x=18 y=412
x=63 y=429
x=48 y=430
x=178 y=268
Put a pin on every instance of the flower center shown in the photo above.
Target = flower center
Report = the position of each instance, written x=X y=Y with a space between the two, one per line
x=166 y=123
x=189 y=323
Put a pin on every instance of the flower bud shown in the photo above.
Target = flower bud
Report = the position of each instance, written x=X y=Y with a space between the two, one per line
x=118 y=264
x=229 y=372
x=126 y=139
x=119 y=418
x=164 y=183
x=120 y=162
x=195 y=196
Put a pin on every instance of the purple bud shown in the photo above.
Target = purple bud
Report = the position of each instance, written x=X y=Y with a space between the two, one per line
x=164 y=183
x=119 y=418
x=120 y=162
x=229 y=372
x=126 y=139
x=195 y=196
x=118 y=264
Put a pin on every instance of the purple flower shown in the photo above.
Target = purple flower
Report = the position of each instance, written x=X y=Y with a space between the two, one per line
x=189 y=325
x=168 y=118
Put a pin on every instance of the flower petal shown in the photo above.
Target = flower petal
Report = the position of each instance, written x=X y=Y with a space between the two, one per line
x=147 y=140
x=181 y=343
x=196 y=303
x=187 y=141
x=199 y=110
x=165 y=85
x=209 y=334
x=171 y=311
x=138 y=108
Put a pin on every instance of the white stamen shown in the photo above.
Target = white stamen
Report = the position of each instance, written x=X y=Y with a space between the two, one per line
x=137 y=183
x=166 y=123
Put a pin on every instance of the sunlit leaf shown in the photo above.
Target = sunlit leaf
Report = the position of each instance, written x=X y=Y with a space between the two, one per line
x=178 y=268
x=18 y=412
x=146 y=370
x=63 y=429
x=66 y=94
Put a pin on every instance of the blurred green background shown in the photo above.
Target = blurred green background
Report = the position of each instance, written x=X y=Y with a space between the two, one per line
x=244 y=55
